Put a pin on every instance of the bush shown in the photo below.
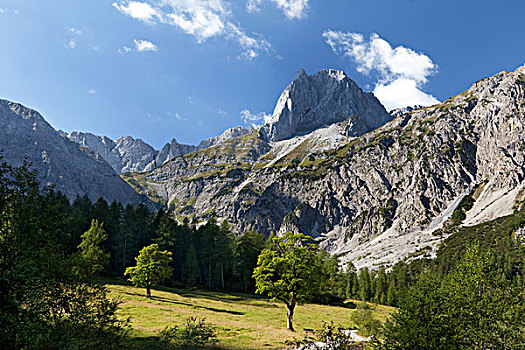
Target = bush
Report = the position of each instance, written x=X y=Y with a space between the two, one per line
x=365 y=321
x=196 y=334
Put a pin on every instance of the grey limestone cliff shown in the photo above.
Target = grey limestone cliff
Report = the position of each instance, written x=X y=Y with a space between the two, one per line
x=321 y=99
x=374 y=198
x=75 y=170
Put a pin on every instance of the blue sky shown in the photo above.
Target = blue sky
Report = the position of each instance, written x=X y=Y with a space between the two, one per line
x=188 y=69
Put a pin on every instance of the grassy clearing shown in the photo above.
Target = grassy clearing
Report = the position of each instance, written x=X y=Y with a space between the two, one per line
x=241 y=321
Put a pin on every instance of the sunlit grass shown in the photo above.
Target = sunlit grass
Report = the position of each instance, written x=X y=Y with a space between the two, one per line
x=241 y=321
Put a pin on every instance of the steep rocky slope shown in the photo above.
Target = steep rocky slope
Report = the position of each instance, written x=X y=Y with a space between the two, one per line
x=127 y=154
x=375 y=198
x=75 y=170
x=321 y=99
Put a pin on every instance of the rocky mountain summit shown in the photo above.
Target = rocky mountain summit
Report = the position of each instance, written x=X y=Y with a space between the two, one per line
x=321 y=99
x=373 y=199
x=331 y=163
x=128 y=154
x=74 y=169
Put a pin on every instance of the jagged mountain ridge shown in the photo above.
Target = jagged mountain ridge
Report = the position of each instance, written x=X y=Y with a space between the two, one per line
x=75 y=170
x=128 y=154
x=375 y=198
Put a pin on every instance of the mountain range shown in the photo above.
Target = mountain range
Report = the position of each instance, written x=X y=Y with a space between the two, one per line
x=370 y=186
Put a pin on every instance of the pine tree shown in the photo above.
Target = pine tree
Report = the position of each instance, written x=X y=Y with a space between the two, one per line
x=94 y=258
x=191 y=267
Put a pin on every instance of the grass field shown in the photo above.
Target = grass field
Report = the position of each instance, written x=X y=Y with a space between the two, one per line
x=241 y=321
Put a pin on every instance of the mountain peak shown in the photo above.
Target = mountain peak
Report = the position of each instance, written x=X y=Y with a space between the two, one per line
x=300 y=73
x=326 y=97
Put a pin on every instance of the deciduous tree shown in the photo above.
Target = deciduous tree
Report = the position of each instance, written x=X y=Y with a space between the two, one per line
x=286 y=271
x=152 y=266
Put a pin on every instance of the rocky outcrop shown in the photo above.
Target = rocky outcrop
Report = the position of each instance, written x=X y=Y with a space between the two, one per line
x=372 y=199
x=398 y=112
x=128 y=154
x=321 y=99
x=75 y=170
x=226 y=135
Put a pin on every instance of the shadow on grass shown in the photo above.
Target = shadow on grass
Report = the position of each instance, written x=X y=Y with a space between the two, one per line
x=153 y=343
x=171 y=301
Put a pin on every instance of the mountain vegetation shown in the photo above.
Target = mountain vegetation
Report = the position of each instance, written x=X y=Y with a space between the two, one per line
x=424 y=213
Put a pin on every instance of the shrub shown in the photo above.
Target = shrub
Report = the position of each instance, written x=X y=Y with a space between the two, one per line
x=196 y=334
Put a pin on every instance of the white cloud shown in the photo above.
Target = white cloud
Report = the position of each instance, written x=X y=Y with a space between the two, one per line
x=124 y=49
x=92 y=91
x=202 y=19
x=253 y=5
x=2 y=10
x=401 y=71
x=402 y=92
x=75 y=31
x=144 y=46
x=254 y=118
x=292 y=8
x=72 y=43
x=251 y=46
x=138 y=10
x=175 y=115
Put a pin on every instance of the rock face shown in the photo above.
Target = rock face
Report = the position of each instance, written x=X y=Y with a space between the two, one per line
x=324 y=98
x=76 y=170
x=169 y=151
x=373 y=199
x=398 y=112
x=127 y=154
x=226 y=135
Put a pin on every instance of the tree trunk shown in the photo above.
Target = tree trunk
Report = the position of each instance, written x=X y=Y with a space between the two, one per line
x=222 y=274
x=209 y=275
x=148 y=291
x=289 y=317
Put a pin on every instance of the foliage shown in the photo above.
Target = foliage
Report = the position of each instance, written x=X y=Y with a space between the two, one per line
x=286 y=271
x=471 y=309
x=152 y=266
x=196 y=334
x=42 y=303
x=364 y=320
x=92 y=253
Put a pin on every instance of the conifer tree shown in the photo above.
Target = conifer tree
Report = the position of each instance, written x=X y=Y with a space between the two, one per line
x=94 y=258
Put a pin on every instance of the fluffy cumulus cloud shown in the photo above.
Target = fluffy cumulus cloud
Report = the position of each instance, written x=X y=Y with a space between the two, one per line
x=291 y=8
x=254 y=118
x=138 y=10
x=202 y=19
x=144 y=45
x=401 y=71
